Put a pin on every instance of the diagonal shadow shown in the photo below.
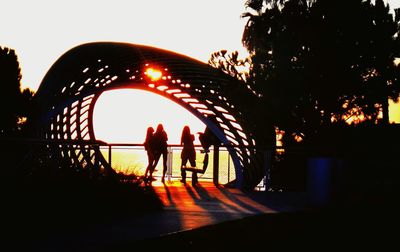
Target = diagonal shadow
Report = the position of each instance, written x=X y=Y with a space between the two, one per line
x=279 y=202
x=217 y=204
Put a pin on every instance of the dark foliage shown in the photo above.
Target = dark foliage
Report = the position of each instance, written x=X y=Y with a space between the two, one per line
x=314 y=66
x=14 y=103
x=42 y=193
x=315 y=62
x=359 y=162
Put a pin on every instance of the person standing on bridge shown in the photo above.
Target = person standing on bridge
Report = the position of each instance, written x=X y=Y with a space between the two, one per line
x=160 y=139
x=148 y=146
x=208 y=138
x=188 y=151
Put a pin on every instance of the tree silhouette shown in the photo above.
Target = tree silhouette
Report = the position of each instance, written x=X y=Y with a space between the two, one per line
x=314 y=62
x=380 y=73
x=230 y=64
x=14 y=104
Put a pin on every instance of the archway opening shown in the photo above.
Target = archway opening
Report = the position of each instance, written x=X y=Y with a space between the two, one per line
x=122 y=116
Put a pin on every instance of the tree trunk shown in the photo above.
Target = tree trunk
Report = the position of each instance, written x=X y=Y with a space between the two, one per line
x=385 y=111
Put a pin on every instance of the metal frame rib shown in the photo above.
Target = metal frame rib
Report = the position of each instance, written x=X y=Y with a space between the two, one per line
x=70 y=89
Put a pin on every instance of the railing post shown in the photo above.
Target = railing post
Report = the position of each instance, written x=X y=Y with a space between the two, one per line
x=109 y=155
x=229 y=168
x=169 y=163
x=216 y=165
x=96 y=158
x=267 y=168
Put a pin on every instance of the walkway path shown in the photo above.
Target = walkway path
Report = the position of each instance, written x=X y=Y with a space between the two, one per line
x=186 y=208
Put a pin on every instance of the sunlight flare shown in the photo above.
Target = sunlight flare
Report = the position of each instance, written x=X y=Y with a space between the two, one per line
x=153 y=74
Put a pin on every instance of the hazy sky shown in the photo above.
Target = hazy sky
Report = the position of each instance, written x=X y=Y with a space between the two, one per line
x=42 y=30
x=128 y=105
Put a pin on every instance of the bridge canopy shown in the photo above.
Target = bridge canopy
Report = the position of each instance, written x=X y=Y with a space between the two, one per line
x=70 y=89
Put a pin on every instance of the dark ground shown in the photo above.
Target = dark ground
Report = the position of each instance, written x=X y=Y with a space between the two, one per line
x=362 y=227
x=371 y=225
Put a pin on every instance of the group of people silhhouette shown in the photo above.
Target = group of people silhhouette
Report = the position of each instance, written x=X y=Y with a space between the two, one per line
x=156 y=146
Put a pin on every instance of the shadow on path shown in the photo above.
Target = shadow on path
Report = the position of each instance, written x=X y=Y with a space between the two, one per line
x=186 y=209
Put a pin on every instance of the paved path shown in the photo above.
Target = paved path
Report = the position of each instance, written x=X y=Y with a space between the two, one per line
x=186 y=207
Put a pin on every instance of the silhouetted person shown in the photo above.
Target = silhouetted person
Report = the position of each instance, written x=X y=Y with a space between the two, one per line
x=208 y=138
x=160 y=138
x=148 y=146
x=188 y=151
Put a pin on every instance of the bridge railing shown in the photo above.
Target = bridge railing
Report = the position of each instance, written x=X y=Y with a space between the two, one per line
x=220 y=169
x=132 y=158
x=128 y=158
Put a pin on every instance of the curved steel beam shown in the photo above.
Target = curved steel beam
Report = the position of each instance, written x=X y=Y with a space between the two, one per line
x=68 y=93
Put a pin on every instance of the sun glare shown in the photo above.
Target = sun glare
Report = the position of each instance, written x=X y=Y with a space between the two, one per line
x=153 y=74
x=122 y=116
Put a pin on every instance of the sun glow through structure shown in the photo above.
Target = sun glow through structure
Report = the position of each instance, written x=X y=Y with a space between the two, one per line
x=153 y=74
x=78 y=101
x=122 y=116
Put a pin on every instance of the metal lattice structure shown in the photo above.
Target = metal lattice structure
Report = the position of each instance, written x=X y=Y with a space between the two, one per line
x=68 y=93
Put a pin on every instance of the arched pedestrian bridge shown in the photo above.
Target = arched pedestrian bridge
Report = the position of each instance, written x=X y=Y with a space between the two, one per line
x=68 y=93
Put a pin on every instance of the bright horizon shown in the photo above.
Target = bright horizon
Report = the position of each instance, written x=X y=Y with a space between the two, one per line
x=134 y=110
